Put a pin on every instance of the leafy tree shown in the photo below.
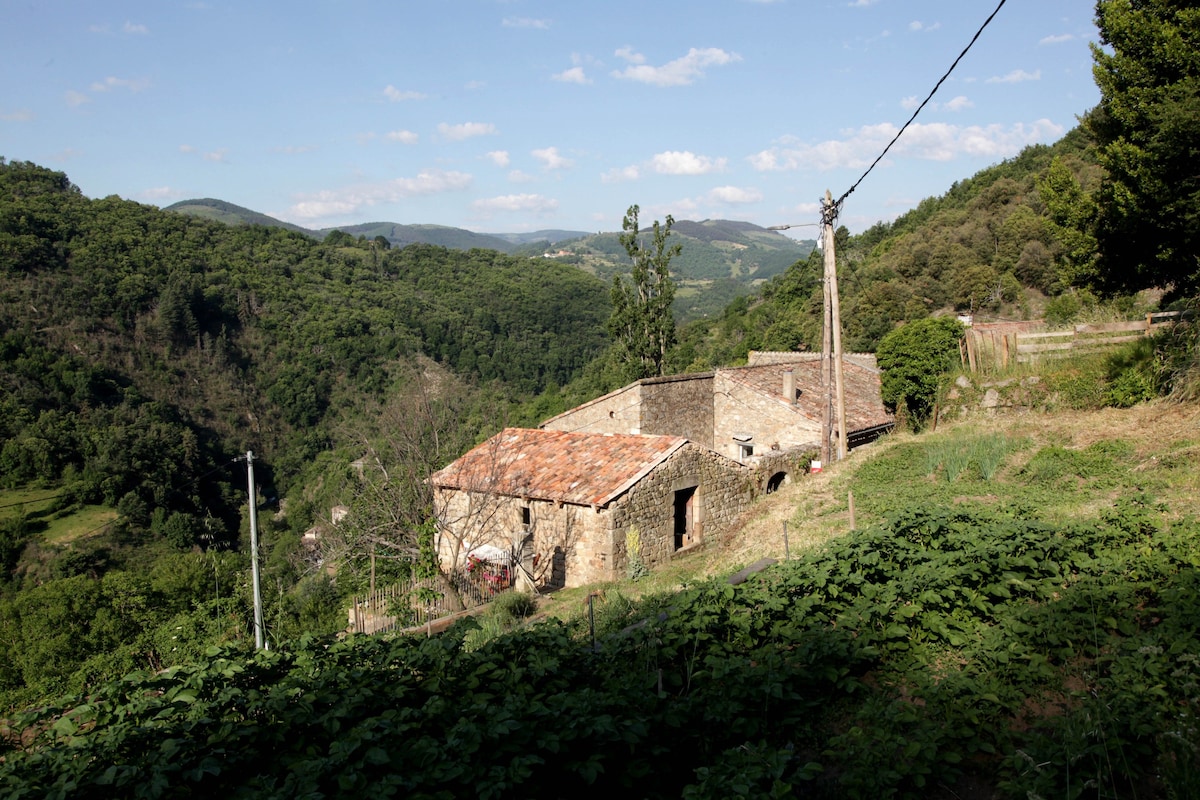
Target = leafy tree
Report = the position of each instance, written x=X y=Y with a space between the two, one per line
x=1146 y=128
x=641 y=320
x=915 y=359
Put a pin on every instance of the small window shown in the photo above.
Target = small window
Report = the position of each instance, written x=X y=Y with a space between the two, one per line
x=745 y=449
x=525 y=516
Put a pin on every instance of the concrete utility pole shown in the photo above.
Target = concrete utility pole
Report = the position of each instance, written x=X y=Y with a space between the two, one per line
x=833 y=330
x=259 y=638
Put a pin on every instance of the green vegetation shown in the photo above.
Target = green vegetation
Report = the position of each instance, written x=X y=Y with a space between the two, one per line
x=1146 y=127
x=142 y=352
x=915 y=359
x=641 y=324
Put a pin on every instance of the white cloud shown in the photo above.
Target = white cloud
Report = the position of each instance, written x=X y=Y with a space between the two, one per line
x=620 y=175
x=135 y=29
x=472 y=86
x=499 y=157
x=20 y=115
x=910 y=103
x=862 y=3
x=674 y=162
x=524 y=203
x=680 y=72
x=572 y=75
x=160 y=193
x=397 y=96
x=186 y=148
x=338 y=202
x=917 y=26
x=466 y=130
x=627 y=53
x=217 y=156
x=526 y=22
x=932 y=142
x=734 y=195
x=517 y=176
x=958 y=103
x=1017 y=76
x=110 y=83
x=1062 y=37
x=403 y=137
x=76 y=99
x=550 y=158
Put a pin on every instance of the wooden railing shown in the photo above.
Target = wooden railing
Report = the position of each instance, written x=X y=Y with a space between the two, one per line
x=984 y=350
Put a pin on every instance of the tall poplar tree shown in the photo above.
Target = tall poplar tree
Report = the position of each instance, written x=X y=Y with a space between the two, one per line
x=641 y=321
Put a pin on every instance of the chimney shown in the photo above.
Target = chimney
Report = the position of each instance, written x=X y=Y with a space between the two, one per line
x=789 y=386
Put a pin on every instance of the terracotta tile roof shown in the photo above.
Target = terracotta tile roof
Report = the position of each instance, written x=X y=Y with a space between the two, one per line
x=580 y=468
x=864 y=406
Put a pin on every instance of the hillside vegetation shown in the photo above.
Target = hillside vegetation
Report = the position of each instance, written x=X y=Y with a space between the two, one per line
x=1014 y=614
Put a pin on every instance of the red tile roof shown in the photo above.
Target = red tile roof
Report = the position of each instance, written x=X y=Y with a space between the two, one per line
x=579 y=468
x=864 y=407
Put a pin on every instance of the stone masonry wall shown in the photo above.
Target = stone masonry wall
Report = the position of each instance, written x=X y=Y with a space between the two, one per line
x=679 y=406
x=740 y=411
x=616 y=412
x=573 y=543
x=724 y=490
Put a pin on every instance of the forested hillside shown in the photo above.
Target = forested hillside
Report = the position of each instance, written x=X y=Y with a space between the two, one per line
x=142 y=351
x=996 y=244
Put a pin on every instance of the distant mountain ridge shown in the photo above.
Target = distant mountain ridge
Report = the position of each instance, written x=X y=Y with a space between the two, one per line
x=720 y=259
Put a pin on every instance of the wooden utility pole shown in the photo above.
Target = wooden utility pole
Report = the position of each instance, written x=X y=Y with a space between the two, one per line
x=833 y=329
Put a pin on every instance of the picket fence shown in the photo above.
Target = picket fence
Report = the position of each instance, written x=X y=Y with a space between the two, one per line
x=415 y=603
x=985 y=349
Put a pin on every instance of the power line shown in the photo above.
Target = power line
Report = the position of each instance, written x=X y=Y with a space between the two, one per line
x=833 y=209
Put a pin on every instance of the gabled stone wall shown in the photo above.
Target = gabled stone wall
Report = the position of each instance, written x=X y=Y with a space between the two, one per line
x=724 y=489
x=772 y=424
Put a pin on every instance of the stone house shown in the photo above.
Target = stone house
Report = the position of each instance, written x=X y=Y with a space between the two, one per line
x=762 y=415
x=565 y=504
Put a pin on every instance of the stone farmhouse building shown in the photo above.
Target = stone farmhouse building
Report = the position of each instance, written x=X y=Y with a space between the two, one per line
x=565 y=503
x=677 y=458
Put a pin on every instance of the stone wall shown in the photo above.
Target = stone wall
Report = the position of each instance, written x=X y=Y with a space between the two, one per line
x=723 y=491
x=615 y=412
x=572 y=543
x=741 y=411
x=679 y=406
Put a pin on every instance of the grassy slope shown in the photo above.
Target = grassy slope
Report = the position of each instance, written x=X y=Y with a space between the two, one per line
x=1153 y=447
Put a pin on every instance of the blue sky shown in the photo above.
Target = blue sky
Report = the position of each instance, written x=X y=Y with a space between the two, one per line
x=519 y=115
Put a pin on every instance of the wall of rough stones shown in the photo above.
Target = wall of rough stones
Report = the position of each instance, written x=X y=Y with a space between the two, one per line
x=615 y=412
x=572 y=543
x=740 y=410
x=679 y=406
x=724 y=490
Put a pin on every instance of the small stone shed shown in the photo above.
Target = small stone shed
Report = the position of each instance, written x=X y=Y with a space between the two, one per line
x=564 y=502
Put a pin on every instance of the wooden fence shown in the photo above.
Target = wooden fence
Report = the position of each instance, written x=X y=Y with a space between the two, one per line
x=415 y=603
x=985 y=350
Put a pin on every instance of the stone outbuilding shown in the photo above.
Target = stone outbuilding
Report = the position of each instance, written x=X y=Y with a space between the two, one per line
x=568 y=504
x=766 y=415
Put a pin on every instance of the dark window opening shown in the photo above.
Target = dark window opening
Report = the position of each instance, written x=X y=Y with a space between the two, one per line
x=525 y=516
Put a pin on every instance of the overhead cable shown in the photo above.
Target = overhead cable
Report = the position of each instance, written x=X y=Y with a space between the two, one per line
x=837 y=205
